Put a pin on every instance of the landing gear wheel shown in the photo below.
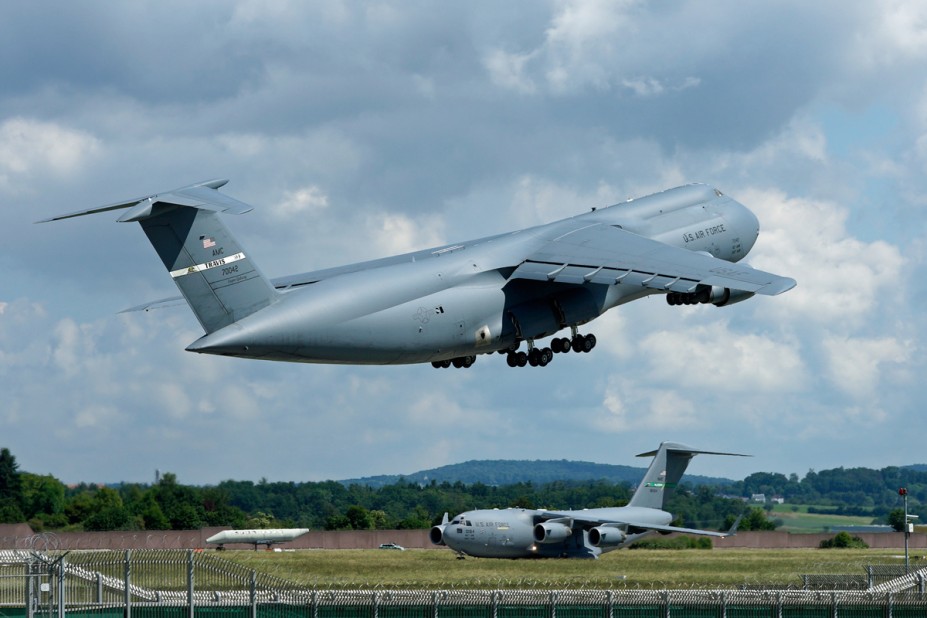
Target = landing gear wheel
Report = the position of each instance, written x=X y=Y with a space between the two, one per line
x=564 y=344
x=534 y=357
x=546 y=356
x=445 y=364
x=555 y=345
x=468 y=361
x=457 y=362
x=512 y=359
x=436 y=364
x=578 y=343
x=522 y=358
x=589 y=342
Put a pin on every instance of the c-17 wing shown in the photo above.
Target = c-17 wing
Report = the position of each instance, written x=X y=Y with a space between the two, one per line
x=576 y=519
x=605 y=254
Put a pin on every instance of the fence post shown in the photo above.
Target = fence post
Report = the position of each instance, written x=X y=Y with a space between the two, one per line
x=30 y=587
x=314 y=599
x=61 y=591
x=127 y=581
x=253 y=593
x=610 y=600
x=99 y=588
x=376 y=604
x=494 y=603
x=888 y=604
x=434 y=604
x=552 y=599
x=190 y=583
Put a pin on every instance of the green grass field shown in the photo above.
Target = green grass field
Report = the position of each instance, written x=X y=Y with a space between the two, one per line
x=800 y=520
x=440 y=569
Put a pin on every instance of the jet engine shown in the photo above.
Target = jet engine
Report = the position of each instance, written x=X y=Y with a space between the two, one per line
x=552 y=532
x=436 y=535
x=704 y=294
x=606 y=536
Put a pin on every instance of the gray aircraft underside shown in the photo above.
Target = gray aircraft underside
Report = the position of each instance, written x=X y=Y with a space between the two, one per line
x=586 y=533
x=449 y=304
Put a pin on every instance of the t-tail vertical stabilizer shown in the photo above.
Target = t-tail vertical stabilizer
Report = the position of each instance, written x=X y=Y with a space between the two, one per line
x=216 y=276
x=669 y=464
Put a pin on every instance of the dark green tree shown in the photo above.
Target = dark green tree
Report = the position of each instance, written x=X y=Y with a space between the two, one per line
x=11 y=492
x=896 y=519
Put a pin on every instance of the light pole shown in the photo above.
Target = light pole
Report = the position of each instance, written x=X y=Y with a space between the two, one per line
x=903 y=492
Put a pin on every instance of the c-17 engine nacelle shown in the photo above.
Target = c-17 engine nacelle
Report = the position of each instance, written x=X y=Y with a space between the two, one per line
x=552 y=532
x=606 y=536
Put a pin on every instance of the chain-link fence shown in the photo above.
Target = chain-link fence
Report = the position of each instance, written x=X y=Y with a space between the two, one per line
x=189 y=584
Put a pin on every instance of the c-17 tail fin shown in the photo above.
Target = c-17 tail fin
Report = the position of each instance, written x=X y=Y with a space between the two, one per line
x=669 y=463
x=216 y=276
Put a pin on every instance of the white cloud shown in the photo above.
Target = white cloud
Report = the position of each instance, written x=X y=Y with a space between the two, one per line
x=507 y=70
x=628 y=407
x=841 y=280
x=856 y=365
x=29 y=146
x=393 y=233
x=712 y=358
x=310 y=200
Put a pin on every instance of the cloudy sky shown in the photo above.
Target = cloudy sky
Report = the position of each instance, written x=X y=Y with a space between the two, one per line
x=363 y=129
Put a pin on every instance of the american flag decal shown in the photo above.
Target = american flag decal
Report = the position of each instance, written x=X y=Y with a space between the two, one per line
x=207 y=242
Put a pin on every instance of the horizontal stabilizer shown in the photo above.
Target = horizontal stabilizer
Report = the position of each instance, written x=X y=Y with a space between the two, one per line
x=674 y=447
x=202 y=195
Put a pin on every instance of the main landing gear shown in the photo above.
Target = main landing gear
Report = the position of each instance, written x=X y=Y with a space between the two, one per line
x=540 y=357
x=461 y=361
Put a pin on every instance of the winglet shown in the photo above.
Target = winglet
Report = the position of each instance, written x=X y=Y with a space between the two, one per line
x=733 y=529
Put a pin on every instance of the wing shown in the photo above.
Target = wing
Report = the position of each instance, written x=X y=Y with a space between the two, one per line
x=605 y=254
x=575 y=519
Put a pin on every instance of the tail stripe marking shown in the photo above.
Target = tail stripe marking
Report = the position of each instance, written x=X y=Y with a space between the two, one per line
x=207 y=265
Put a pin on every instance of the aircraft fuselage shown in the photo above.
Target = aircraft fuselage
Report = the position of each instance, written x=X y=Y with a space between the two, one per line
x=458 y=301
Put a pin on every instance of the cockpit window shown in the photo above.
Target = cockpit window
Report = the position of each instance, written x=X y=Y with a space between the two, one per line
x=468 y=523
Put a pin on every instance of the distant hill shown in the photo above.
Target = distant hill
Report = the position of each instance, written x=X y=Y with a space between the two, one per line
x=508 y=472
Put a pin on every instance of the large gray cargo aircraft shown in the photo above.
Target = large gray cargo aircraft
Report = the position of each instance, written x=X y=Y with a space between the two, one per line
x=586 y=533
x=449 y=304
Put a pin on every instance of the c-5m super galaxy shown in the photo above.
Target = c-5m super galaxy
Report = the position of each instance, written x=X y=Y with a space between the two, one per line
x=587 y=533
x=449 y=304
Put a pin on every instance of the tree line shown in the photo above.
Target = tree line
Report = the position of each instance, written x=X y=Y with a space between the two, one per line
x=47 y=504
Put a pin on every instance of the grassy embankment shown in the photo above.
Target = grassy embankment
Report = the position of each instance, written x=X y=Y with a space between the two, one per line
x=440 y=569
x=796 y=518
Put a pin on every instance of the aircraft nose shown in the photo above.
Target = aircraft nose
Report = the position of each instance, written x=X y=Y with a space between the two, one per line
x=745 y=222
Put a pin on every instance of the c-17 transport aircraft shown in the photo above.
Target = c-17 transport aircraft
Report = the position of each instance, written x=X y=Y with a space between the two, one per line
x=586 y=533
x=449 y=304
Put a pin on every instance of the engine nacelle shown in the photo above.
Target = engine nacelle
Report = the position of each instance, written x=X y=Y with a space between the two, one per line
x=552 y=532
x=606 y=536
x=436 y=535
x=716 y=295
x=722 y=297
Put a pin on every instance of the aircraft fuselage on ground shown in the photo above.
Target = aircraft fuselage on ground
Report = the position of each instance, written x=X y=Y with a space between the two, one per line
x=585 y=533
x=448 y=304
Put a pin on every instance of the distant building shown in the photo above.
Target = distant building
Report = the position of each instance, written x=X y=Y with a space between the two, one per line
x=758 y=498
x=777 y=500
